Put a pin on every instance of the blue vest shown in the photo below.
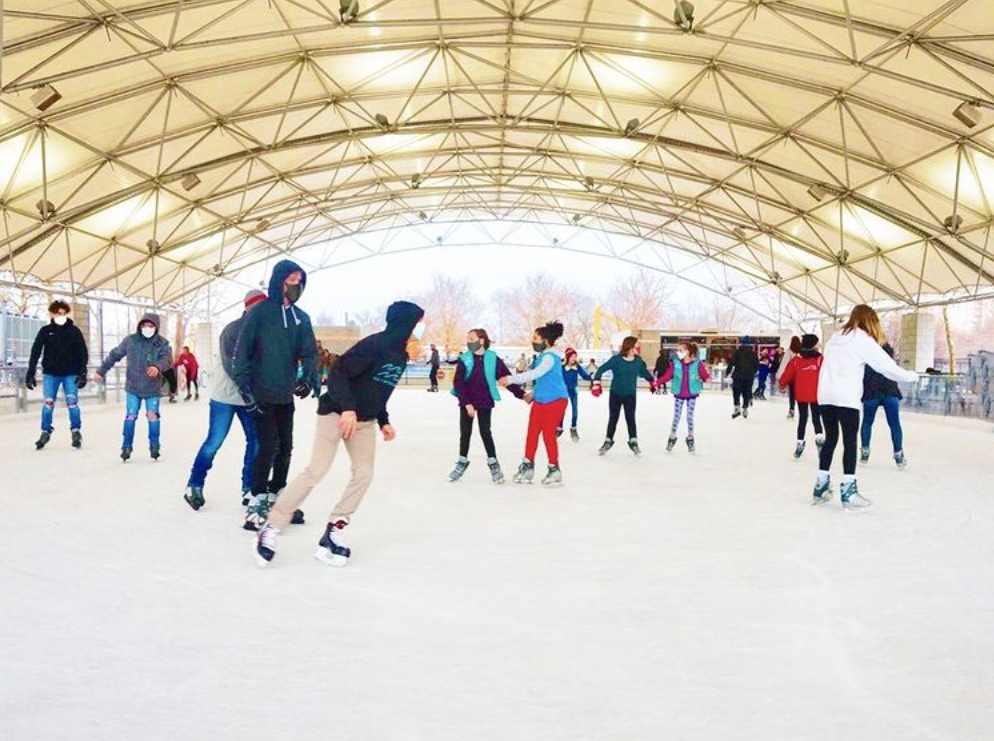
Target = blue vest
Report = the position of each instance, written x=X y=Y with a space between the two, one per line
x=695 y=384
x=552 y=385
x=489 y=370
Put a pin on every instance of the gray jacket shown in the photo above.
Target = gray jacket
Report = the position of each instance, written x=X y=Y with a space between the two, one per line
x=141 y=354
x=224 y=389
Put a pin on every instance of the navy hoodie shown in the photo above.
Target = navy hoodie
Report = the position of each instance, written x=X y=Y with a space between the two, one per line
x=364 y=377
x=272 y=339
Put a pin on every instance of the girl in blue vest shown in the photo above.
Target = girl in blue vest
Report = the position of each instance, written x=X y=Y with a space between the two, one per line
x=572 y=372
x=686 y=378
x=549 y=396
x=475 y=386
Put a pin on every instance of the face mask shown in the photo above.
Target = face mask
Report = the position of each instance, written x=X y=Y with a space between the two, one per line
x=293 y=293
x=474 y=346
x=419 y=331
x=538 y=346
x=148 y=332
x=681 y=354
x=60 y=320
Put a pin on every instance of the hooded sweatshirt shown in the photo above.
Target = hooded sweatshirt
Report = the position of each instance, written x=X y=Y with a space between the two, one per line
x=364 y=377
x=142 y=353
x=846 y=355
x=803 y=371
x=64 y=351
x=273 y=338
x=188 y=360
x=744 y=364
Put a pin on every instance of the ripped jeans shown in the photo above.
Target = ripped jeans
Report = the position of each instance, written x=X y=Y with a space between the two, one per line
x=133 y=406
x=50 y=389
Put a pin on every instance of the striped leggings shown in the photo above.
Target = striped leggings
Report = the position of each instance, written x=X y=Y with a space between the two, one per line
x=678 y=411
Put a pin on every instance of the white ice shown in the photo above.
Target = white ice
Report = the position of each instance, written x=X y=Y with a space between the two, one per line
x=666 y=597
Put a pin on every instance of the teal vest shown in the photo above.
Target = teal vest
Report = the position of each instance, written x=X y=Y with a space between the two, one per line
x=695 y=384
x=489 y=370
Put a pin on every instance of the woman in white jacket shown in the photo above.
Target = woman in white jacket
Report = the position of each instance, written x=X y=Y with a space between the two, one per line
x=840 y=394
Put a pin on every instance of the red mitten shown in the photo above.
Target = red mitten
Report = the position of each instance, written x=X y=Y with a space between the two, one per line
x=596 y=389
x=653 y=386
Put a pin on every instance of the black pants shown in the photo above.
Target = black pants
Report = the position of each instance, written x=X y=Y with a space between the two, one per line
x=848 y=419
x=802 y=419
x=170 y=375
x=616 y=403
x=790 y=394
x=275 y=431
x=466 y=431
x=192 y=386
x=742 y=390
x=433 y=378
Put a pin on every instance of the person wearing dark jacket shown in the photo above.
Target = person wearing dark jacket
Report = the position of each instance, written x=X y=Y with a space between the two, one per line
x=626 y=368
x=355 y=404
x=663 y=364
x=742 y=369
x=434 y=364
x=572 y=373
x=148 y=355
x=276 y=337
x=801 y=376
x=62 y=350
x=880 y=391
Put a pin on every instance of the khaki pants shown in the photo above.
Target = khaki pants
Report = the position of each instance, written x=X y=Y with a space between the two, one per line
x=362 y=452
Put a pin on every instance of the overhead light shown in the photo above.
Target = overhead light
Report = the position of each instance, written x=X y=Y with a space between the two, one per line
x=775 y=278
x=843 y=256
x=423 y=216
x=967 y=114
x=349 y=10
x=45 y=208
x=217 y=271
x=189 y=182
x=416 y=180
x=953 y=223
x=684 y=15
x=631 y=127
x=589 y=182
x=260 y=226
x=739 y=232
x=576 y=218
x=153 y=247
x=438 y=240
x=45 y=97
x=382 y=120
x=555 y=241
x=819 y=192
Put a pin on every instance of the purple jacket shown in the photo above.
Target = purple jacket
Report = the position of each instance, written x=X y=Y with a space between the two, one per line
x=474 y=390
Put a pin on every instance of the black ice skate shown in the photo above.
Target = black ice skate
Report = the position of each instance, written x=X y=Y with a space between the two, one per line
x=331 y=548
x=457 y=473
x=194 y=496
x=125 y=454
x=525 y=474
x=737 y=413
x=633 y=445
x=495 y=473
x=46 y=435
x=745 y=412
x=574 y=434
x=559 y=432
x=297 y=518
x=690 y=445
x=154 y=451
x=553 y=477
x=864 y=455
x=77 y=439
x=799 y=449
x=822 y=492
x=606 y=446
x=670 y=444
x=900 y=460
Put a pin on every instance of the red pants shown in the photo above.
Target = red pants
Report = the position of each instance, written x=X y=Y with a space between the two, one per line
x=544 y=420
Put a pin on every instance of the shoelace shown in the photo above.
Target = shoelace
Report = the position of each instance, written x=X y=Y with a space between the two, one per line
x=267 y=537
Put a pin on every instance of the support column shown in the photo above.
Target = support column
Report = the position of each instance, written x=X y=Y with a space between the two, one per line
x=916 y=344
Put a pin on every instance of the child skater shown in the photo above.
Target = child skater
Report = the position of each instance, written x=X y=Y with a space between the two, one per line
x=801 y=376
x=572 y=372
x=475 y=386
x=879 y=391
x=626 y=369
x=840 y=392
x=686 y=377
x=549 y=397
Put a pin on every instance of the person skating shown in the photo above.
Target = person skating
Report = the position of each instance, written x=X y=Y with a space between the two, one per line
x=548 y=398
x=62 y=350
x=800 y=375
x=475 y=385
x=361 y=382
x=435 y=364
x=840 y=392
x=793 y=350
x=764 y=374
x=276 y=336
x=226 y=404
x=149 y=356
x=880 y=391
x=626 y=368
x=188 y=361
x=776 y=363
x=687 y=377
x=572 y=372
x=663 y=364
x=742 y=370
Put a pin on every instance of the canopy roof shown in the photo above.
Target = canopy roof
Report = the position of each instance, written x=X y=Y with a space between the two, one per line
x=809 y=144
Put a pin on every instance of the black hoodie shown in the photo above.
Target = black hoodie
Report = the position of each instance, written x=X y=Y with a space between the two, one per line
x=744 y=363
x=64 y=351
x=272 y=339
x=364 y=377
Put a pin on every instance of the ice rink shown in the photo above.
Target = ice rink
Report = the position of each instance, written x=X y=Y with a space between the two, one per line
x=665 y=597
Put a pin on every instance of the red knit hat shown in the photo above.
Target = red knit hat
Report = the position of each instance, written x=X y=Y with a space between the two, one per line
x=570 y=351
x=253 y=297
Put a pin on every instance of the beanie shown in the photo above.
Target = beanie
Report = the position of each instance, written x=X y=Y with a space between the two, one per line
x=809 y=341
x=570 y=351
x=253 y=297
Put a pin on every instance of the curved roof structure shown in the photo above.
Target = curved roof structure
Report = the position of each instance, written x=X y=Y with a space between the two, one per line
x=842 y=150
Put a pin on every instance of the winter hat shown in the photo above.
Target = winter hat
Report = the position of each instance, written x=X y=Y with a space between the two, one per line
x=570 y=351
x=253 y=297
x=809 y=341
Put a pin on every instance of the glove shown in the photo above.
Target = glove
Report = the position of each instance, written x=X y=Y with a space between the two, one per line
x=654 y=386
x=30 y=382
x=81 y=381
x=596 y=389
x=302 y=390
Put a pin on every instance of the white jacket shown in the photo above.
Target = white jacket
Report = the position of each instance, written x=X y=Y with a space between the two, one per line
x=846 y=355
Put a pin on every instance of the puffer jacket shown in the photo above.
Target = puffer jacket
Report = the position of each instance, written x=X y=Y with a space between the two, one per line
x=141 y=354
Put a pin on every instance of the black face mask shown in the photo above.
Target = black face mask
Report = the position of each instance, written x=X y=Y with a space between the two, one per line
x=474 y=346
x=293 y=293
x=538 y=346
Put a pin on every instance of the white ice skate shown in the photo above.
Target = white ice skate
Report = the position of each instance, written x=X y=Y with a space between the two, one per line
x=332 y=549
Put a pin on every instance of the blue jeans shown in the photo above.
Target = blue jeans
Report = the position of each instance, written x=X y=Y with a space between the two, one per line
x=892 y=408
x=50 y=389
x=222 y=415
x=574 y=406
x=133 y=406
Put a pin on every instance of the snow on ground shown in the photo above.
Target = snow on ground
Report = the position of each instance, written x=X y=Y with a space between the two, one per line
x=665 y=597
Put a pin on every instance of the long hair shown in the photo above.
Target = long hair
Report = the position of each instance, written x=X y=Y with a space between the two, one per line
x=484 y=337
x=692 y=348
x=795 y=345
x=551 y=332
x=865 y=318
x=628 y=345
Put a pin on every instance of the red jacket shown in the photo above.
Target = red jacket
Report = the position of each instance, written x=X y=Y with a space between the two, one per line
x=192 y=367
x=803 y=373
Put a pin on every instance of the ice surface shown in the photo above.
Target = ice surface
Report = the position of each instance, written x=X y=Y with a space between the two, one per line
x=665 y=597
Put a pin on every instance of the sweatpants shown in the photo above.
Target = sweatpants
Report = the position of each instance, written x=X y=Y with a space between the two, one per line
x=802 y=419
x=483 y=417
x=742 y=390
x=543 y=421
x=362 y=452
x=678 y=404
x=834 y=418
x=615 y=403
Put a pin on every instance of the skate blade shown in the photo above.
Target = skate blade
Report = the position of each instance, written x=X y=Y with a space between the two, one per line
x=260 y=562
x=322 y=555
x=823 y=500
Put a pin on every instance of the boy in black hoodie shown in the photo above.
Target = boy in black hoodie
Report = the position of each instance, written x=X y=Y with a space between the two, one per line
x=742 y=370
x=359 y=386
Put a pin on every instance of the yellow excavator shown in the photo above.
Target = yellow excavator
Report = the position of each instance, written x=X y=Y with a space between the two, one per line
x=601 y=316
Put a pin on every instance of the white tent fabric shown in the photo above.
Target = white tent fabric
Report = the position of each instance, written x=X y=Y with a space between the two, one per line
x=806 y=144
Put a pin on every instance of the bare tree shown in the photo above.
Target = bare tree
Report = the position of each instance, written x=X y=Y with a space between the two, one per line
x=539 y=300
x=451 y=307
x=640 y=299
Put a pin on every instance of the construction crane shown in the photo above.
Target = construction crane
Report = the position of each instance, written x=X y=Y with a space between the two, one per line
x=601 y=315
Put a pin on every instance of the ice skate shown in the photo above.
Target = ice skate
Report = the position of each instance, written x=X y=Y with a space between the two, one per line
x=691 y=446
x=745 y=412
x=670 y=444
x=633 y=445
x=495 y=473
x=737 y=413
x=332 y=549
x=851 y=498
x=154 y=451
x=559 y=432
x=864 y=455
x=525 y=474
x=900 y=460
x=822 y=492
x=554 y=476
x=257 y=512
x=46 y=435
x=606 y=446
x=799 y=449
x=819 y=441
x=265 y=545
x=461 y=465
x=297 y=518
x=125 y=454
x=77 y=439
x=194 y=496
x=574 y=434
x=790 y=414
x=246 y=497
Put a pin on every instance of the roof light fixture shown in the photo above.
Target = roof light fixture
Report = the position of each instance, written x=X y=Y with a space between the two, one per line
x=818 y=192
x=953 y=223
x=382 y=120
x=576 y=218
x=260 y=226
x=631 y=127
x=349 y=10
x=423 y=216
x=189 y=182
x=739 y=232
x=45 y=208
x=416 y=180
x=153 y=247
x=967 y=114
x=44 y=97
x=589 y=183
x=684 y=15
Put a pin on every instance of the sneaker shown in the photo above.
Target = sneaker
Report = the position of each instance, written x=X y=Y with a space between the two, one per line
x=46 y=435
x=822 y=492
x=864 y=455
x=125 y=454
x=194 y=496
x=851 y=498
x=819 y=441
x=900 y=460
x=77 y=439
x=495 y=473
x=525 y=474
x=153 y=450
x=554 y=476
x=574 y=434
x=559 y=432
x=691 y=448
x=633 y=445
x=799 y=450
x=670 y=444
x=331 y=548
x=298 y=517
x=737 y=412
x=257 y=512
x=265 y=545
x=608 y=444
x=461 y=465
